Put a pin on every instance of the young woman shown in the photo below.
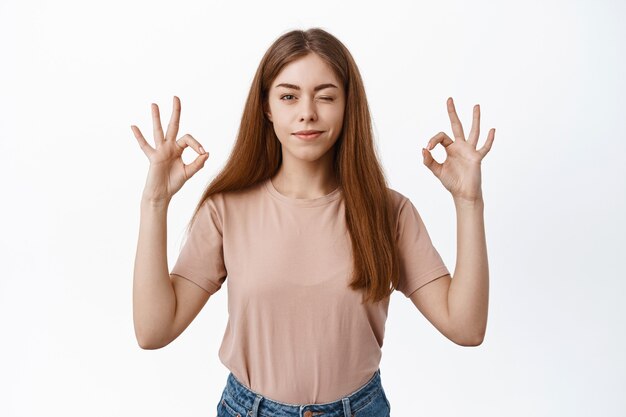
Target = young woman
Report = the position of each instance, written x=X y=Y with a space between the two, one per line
x=311 y=238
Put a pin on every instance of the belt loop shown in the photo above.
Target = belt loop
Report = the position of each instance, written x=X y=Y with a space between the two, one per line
x=346 y=407
x=255 y=406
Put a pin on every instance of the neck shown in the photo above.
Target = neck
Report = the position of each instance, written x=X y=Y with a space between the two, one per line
x=299 y=184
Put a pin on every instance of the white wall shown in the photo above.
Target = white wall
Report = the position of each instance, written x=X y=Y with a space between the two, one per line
x=549 y=76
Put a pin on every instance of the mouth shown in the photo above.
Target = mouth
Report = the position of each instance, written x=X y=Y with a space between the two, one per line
x=308 y=134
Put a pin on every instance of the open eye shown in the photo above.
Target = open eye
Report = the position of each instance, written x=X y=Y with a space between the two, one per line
x=286 y=95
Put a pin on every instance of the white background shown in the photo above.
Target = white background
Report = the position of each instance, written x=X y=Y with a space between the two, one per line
x=549 y=76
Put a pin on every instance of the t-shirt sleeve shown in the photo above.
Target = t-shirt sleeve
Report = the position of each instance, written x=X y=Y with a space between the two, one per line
x=201 y=259
x=420 y=262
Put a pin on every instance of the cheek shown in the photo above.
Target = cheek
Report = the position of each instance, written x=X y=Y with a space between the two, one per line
x=338 y=119
x=281 y=129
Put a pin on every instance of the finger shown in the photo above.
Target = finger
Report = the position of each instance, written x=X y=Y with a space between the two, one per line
x=457 y=128
x=196 y=165
x=487 y=146
x=439 y=137
x=172 y=127
x=189 y=140
x=475 y=132
x=156 y=125
x=143 y=144
x=430 y=162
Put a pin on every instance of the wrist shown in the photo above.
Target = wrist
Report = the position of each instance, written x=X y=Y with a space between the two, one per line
x=477 y=202
x=152 y=203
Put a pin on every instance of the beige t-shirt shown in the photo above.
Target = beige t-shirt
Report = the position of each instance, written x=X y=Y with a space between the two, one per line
x=296 y=332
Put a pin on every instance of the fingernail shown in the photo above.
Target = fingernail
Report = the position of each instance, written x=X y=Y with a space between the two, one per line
x=201 y=149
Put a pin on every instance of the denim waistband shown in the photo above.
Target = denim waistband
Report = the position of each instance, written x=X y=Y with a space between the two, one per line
x=345 y=406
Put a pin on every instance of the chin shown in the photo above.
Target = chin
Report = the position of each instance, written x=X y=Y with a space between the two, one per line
x=308 y=155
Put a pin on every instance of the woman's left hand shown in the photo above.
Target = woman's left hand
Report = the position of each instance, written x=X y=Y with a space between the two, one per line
x=460 y=172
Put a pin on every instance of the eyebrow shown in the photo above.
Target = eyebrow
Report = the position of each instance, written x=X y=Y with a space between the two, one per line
x=317 y=88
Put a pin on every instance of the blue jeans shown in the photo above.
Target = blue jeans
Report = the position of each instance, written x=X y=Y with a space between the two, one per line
x=367 y=401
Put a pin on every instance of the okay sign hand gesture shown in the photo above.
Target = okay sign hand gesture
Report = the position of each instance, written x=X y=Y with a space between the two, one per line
x=460 y=172
x=168 y=172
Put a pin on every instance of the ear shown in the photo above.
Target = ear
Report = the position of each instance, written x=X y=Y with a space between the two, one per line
x=267 y=112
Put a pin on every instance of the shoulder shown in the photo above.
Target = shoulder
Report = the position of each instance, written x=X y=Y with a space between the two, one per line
x=405 y=212
x=234 y=200
x=397 y=199
x=248 y=193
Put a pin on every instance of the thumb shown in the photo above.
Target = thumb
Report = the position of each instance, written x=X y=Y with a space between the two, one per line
x=197 y=164
x=430 y=162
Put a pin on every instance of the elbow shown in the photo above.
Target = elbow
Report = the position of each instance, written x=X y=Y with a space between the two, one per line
x=468 y=334
x=468 y=339
x=471 y=341
x=151 y=336
x=150 y=343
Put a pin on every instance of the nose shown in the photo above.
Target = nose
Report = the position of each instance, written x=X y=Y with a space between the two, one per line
x=308 y=110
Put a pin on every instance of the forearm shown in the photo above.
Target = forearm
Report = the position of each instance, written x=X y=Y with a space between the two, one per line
x=154 y=299
x=468 y=295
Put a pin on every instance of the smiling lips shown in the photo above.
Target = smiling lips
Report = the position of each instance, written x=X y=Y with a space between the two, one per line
x=308 y=134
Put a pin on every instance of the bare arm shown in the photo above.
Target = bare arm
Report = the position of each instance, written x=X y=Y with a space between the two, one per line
x=163 y=305
x=154 y=299
x=458 y=306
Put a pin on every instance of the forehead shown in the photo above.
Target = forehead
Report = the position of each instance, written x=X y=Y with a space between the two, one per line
x=307 y=72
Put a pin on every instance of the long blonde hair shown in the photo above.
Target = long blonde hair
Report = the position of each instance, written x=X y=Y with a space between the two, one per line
x=257 y=155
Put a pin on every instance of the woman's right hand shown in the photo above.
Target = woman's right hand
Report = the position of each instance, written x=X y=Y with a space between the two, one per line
x=168 y=172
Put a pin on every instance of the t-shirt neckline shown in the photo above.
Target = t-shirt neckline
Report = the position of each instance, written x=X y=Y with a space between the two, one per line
x=303 y=202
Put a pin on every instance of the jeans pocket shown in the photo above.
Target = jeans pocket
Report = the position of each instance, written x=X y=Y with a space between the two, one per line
x=231 y=407
x=377 y=406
